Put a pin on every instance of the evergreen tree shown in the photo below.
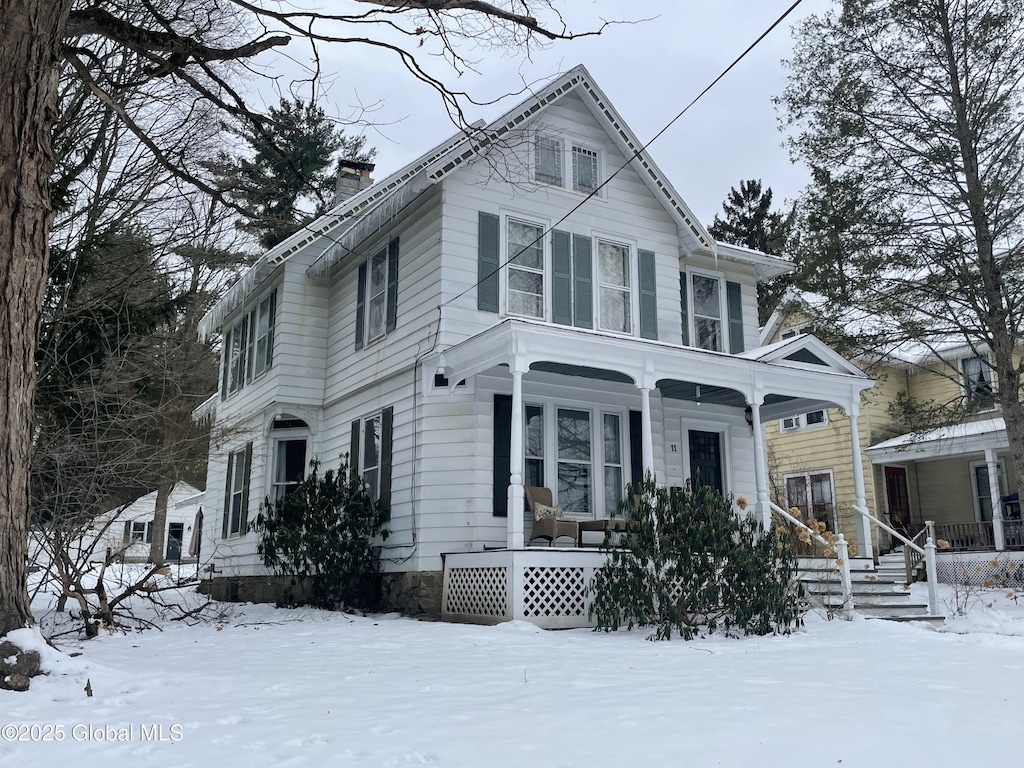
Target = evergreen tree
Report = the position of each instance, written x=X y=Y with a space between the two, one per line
x=287 y=178
x=912 y=111
x=750 y=222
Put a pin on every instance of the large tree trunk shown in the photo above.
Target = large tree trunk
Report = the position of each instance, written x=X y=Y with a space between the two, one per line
x=30 y=34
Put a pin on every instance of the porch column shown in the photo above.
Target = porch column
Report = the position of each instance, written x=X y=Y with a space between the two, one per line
x=516 y=494
x=764 y=509
x=647 y=435
x=997 y=499
x=864 y=548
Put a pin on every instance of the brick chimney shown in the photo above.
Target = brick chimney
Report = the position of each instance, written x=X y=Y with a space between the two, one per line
x=353 y=177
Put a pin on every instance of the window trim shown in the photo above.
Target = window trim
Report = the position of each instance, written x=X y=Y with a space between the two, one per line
x=631 y=289
x=557 y=147
x=723 y=307
x=973 y=467
x=278 y=438
x=382 y=255
x=506 y=260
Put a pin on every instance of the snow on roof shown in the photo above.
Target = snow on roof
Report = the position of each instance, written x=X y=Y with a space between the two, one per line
x=394 y=193
x=951 y=440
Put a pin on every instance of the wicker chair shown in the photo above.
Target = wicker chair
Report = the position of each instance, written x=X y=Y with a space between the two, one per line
x=549 y=528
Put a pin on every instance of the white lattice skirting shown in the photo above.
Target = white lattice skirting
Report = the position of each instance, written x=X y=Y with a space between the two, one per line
x=995 y=569
x=547 y=587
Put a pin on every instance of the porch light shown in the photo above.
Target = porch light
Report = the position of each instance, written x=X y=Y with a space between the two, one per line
x=748 y=414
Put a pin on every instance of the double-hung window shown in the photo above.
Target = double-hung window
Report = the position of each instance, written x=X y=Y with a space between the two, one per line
x=370 y=462
x=547 y=161
x=370 y=454
x=707 y=312
x=137 y=531
x=615 y=297
x=534 y=445
x=249 y=346
x=614 y=482
x=525 y=268
x=377 y=295
x=978 y=382
x=377 y=291
x=575 y=465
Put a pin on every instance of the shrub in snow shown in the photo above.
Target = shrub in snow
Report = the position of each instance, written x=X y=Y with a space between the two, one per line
x=688 y=565
x=321 y=534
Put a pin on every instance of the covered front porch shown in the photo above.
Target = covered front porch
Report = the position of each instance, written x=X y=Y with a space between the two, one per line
x=957 y=485
x=699 y=413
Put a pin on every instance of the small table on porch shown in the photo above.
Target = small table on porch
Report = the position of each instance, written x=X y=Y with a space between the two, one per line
x=605 y=526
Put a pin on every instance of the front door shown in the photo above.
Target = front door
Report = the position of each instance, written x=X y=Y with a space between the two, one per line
x=706 y=458
x=175 y=533
x=897 y=498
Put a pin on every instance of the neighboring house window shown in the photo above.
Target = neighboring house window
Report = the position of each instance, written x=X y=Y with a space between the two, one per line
x=615 y=297
x=812 y=494
x=525 y=268
x=584 y=169
x=377 y=295
x=978 y=381
x=249 y=346
x=712 y=312
x=547 y=163
x=370 y=454
x=138 y=531
x=803 y=420
x=236 y=491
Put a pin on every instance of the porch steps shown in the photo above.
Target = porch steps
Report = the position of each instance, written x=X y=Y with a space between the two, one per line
x=875 y=594
x=892 y=566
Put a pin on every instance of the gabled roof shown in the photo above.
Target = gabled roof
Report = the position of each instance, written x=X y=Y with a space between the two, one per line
x=382 y=201
x=804 y=351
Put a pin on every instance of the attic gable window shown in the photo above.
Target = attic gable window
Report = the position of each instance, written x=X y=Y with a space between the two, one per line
x=584 y=169
x=547 y=161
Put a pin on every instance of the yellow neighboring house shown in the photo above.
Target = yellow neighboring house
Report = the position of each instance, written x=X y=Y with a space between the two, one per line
x=959 y=477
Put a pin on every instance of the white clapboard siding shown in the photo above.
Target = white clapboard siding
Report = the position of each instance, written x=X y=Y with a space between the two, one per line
x=419 y=233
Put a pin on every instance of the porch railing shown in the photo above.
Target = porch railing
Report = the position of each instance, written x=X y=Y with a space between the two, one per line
x=913 y=555
x=842 y=556
x=967 y=536
x=927 y=552
x=1013 y=534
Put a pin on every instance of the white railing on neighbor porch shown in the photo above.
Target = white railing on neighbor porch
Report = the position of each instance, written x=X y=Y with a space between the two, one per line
x=842 y=557
x=928 y=551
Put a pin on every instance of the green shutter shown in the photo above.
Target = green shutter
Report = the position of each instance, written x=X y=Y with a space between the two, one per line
x=227 y=494
x=360 y=304
x=561 y=278
x=271 y=320
x=353 y=452
x=392 y=317
x=227 y=364
x=636 y=446
x=684 y=307
x=734 y=304
x=648 y=296
x=487 y=263
x=243 y=524
x=127 y=530
x=387 y=418
x=583 y=283
x=502 y=453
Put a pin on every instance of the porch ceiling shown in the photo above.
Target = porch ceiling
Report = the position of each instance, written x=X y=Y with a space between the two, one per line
x=783 y=387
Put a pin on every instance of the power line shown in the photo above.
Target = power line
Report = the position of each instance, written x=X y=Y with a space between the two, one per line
x=636 y=153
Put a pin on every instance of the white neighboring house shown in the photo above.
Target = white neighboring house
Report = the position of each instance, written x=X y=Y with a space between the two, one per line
x=132 y=526
x=473 y=324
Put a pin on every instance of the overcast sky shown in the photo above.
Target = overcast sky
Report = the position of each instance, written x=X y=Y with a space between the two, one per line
x=649 y=70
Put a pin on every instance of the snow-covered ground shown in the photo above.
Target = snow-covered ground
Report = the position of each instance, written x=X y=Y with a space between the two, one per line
x=268 y=687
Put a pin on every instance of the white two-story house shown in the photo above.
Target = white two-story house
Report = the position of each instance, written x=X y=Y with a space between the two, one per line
x=530 y=306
